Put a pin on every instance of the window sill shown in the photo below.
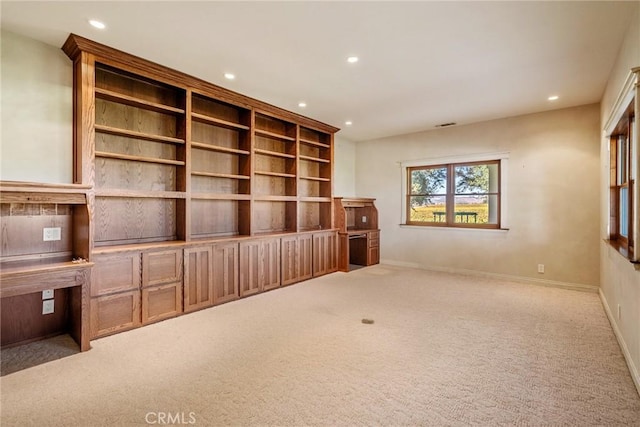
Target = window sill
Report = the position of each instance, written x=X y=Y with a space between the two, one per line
x=445 y=228
x=624 y=252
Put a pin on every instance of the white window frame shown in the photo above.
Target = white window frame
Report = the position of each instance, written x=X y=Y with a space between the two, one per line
x=502 y=156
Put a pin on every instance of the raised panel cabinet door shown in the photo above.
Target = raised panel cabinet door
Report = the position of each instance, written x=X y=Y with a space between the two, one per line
x=290 y=264
x=270 y=264
x=325 y=253
x=249 y=268
x=198 y=278
x=319 y=254
x=115 y=313
x=161 y=302
x=305 y=257
x=297 y=261
x=373 y=256
x=115 y=273
x=225 y=272
x=161 y=267
x=332 y=252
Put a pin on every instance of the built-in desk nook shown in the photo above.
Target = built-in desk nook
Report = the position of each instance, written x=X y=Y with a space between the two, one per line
x=359 y=237
x=45 y=246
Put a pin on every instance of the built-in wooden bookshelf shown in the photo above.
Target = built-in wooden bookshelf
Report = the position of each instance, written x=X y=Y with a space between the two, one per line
x=187 y=174
x=220 y=153
x=139 y=158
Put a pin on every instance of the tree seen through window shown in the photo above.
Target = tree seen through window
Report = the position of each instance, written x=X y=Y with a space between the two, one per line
x=455 y=195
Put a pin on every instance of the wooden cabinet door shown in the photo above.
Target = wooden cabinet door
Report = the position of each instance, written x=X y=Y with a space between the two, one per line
x=259 y=266
x=373 y=256
x=115 y=273
x=289 y=260
x=297 y=258
x=373 y=248
x=305 y=257
x=198 y=278
x=249 y=268
x=161 y=267
x=161 y=284
x=225 y=272
x=270 y=264
x=115 y=313
x=115 y=293
x=325 y=253
x=161 y=302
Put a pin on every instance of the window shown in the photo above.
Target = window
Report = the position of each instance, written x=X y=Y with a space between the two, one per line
x=621 y=182
x=465 y=194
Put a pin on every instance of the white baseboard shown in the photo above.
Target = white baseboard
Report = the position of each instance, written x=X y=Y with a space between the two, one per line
x=633 y=370
x=519 y=279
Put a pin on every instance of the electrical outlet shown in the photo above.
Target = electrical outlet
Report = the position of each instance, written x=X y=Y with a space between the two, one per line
x=47 y=306
x=50 y=234
x=364 y=219
x=48 y=294
x=541 y=268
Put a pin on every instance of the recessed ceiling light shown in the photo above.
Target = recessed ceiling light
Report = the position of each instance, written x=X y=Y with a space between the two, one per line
x=348 y=123
x=302 y=104
x=97 y=24
x=229 y=76
x=352 y=59
x=553 y=98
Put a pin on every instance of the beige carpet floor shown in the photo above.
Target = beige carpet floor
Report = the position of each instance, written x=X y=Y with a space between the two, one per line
x=445 y=350
x=14 y=359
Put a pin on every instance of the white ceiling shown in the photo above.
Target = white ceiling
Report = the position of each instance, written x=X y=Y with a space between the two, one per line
x=421 y=63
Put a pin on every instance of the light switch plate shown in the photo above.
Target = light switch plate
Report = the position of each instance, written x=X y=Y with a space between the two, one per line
x=48 y=294
x=47 y=306
x=50 y=234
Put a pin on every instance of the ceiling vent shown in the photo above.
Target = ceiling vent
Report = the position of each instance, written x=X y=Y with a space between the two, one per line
x=444 y=125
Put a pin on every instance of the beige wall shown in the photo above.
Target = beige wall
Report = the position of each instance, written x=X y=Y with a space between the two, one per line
x=620 y=282
x=344 y=167
x=552 y=197
x=37 y=108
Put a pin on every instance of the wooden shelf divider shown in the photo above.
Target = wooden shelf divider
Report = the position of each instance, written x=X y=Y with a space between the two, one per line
x=314 y=159
x=274 y=153
x=220 y=175
x=215 y=196
x=218 y=122
x=219 y=148
x=315 y=178
x=130 y=157
x=276 y=174
x=317 y=144
x=138 y=135
x=110 y=95
x=269 y=134
x=120 y=193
